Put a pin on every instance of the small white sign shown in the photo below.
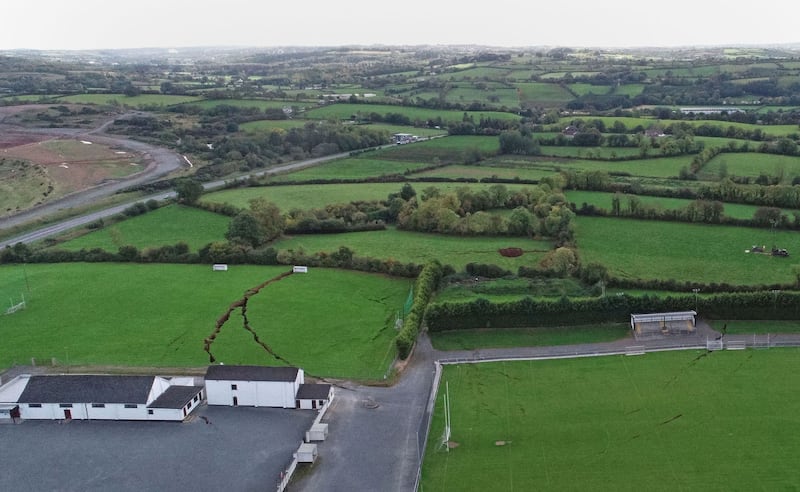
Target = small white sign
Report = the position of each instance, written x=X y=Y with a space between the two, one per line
x=300 y=269
x=220 y=267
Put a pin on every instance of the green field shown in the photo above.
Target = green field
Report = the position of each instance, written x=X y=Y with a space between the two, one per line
x=346 y=111
x=361 y=167
x=269 y=125
x=593 y=152
x=543 y=93
x=317 y=196
x=164 y=226
x=449 y=150
x=685 y=252
x=140 y=100
x=602 y=199
x=738 y=327
x=527 y=337
x=687 y=420
x=631 y=122
x=419 y=248
x=330 y=322
x=752 y=164
x=261 y=104
x=481 y=171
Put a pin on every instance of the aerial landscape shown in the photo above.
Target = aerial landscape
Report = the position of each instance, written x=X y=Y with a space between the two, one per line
x=339 y=254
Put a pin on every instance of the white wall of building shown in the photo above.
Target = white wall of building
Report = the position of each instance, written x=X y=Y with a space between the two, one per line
x=280 y=394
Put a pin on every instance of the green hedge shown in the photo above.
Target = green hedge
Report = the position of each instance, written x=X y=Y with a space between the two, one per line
x=426 y=285
x=528 y=312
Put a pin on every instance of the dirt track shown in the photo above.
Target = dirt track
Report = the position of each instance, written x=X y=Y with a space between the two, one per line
x=160 y=162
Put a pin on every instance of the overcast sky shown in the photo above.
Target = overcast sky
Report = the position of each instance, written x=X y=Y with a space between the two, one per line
x=93 y=24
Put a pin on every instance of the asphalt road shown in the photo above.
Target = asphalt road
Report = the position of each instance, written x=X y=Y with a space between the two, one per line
x=165 y=161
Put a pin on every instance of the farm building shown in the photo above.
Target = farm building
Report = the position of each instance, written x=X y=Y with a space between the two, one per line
x=654 y=324
x=403 y=138
x=313 y=396
x=254 y=386
x=96 y=397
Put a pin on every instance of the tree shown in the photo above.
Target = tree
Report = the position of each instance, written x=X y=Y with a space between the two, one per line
x=188 y=190
x=245 y=229
x=269 y=218
x=407 y=192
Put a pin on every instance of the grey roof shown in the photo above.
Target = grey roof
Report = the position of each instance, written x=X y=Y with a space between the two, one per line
x=251 y=373
x=313 y=392
x=176 y=397
x=87 y=389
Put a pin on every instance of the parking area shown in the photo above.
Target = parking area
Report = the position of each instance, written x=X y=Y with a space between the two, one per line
x=221 y=448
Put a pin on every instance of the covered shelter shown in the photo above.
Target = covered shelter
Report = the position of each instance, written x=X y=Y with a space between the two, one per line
x=659 y=324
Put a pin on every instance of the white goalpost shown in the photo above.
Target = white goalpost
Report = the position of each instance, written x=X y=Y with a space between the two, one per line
x=446 y=434
x=16 y=307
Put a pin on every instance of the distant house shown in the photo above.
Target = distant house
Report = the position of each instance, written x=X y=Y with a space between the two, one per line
x=570 y=131
x=708 y=110
x=654 y=133
x=254 y=386
x=101 y=397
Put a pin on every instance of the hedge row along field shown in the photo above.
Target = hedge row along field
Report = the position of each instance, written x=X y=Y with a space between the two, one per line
x=527 y=312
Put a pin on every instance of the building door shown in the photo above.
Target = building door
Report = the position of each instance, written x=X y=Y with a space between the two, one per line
x=67 y=414
x=235 y=401
x=314 y=404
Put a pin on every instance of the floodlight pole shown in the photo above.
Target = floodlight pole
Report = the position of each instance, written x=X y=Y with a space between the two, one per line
x=695 y=290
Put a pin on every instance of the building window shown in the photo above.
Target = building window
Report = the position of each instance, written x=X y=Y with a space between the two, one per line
x=65 y=405
x=130 y=405
x=189 y=405
x=196 y=397
x=34 y=405
x=233 y=387
x=150 y=412
x=98 y=405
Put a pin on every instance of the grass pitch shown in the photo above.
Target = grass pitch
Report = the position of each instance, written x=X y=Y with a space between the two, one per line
x=688 y=420
x=330 y=322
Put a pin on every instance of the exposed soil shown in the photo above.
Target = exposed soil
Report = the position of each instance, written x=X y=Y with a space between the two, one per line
x=511 y=252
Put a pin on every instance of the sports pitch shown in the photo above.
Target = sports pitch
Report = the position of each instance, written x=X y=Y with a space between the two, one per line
x=688 y=420
x=330 y=322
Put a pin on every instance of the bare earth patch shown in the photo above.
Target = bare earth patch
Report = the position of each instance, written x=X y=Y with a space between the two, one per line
x=62 y=166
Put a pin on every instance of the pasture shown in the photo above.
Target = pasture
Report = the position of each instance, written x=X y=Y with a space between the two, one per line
x=543 y=93
x=135 y=101
x=330 y=322
x=685 y=252
x=164 y=226
x=752 y=164
x=603 y=199
x=527 y=337
x=347 y=111
x=419 y=247
x=311 y=196
x=261 y=104
x=482 y=171
x=367 y=165
x=686 y=420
